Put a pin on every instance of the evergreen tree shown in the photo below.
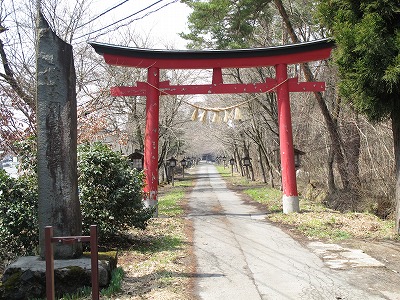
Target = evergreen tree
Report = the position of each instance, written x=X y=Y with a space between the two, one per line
x=367 y=34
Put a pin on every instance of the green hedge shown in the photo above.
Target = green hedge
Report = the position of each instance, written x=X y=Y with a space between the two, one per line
x=110 y=193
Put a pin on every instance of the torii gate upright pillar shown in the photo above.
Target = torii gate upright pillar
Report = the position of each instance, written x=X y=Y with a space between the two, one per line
x=151 y=138
x=290 y=197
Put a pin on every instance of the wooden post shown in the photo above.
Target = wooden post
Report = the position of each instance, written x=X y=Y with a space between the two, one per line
x=173 y=175
x=49 y=256
x=290 y=197
x=94 y=258
x=151 y=137
x=48 y=231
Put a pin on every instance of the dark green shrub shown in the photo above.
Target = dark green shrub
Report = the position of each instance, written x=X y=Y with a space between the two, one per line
x=27 y=155
x=110 y=194
x=110 y=191
x=18 y=215
x=19 y=232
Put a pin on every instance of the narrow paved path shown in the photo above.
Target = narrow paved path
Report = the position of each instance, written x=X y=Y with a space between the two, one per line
x=240 y=255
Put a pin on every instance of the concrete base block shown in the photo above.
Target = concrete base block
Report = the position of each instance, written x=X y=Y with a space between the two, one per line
x=152 y=203
x=290 y=204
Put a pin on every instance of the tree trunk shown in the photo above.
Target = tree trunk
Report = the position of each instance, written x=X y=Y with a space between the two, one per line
x=251 y=175
x=333 y=131
x=9 y=77
x=352 y=145
x=163 y=153
x=396 y=141
x=246 y=153
x=238 y=160
x=264 y=176
x=269 y=166
x=136 y=138
x=139 y=131
x=331 y=176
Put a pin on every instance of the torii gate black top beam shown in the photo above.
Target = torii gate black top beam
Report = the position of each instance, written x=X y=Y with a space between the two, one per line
x=211 y=59
x=279 y=57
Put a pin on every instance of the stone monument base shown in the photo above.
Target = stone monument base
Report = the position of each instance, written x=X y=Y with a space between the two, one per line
x=26 y=277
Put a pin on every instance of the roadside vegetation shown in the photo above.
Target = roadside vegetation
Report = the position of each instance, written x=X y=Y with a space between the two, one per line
x=154 y=263
x=157 y=263
x=106 y=185
x=315 y=220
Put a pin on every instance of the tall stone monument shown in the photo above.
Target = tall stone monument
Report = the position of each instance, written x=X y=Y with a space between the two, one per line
x=57 y=141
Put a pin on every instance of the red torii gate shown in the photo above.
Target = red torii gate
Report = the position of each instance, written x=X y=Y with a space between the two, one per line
x=279 y=57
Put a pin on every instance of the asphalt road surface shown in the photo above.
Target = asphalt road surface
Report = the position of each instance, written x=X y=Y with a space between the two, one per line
x=240 y=255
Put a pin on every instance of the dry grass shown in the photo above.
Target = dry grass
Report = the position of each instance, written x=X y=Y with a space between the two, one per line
x=158 y=265
x=315 y=221
x=158 y=269
x=331 y=225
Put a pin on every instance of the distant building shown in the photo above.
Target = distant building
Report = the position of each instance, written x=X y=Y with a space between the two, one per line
x=9 y=163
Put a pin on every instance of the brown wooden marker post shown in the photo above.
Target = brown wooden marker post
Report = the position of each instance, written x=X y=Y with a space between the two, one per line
x=49 y=255
x=48 y=232
x=94 y=256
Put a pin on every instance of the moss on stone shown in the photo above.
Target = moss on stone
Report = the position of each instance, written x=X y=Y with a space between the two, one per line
x=75 y=275
x=70 y=279
x=75 y=270
x=13 y=281
x=110 y=256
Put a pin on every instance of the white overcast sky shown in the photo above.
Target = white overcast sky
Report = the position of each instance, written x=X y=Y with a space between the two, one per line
x=165 y=19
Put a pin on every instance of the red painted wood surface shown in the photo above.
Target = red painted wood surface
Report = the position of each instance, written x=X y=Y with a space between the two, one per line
x=151 y=134
x=220 y=88
x=285 y=133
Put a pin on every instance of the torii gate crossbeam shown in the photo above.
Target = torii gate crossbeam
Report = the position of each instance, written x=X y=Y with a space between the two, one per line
x=278 y=57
